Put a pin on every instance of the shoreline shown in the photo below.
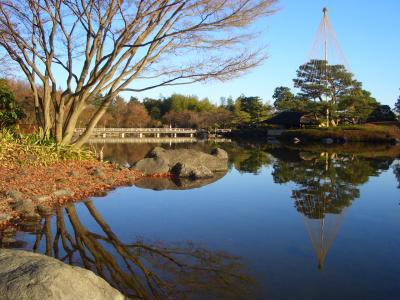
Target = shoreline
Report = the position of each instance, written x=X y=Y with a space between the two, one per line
x=368 y=134
x=28 y=191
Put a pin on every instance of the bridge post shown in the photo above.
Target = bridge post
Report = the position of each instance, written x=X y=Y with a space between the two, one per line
x=174 y=135
x=157 y=135
x=123 y=135
x=191 y=135
x=104 y=135
x=140 y=135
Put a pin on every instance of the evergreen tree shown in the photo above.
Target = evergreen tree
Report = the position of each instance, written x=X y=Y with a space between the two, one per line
x=333 y=94
x=10 y=112
x=254 y=107
x=284 y=99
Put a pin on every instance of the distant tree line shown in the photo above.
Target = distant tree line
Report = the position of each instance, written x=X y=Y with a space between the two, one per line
x=176 y=110
x=336 y=101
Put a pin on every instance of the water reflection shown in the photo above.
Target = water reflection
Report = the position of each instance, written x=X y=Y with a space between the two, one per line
x=160 y=184
x=326 y=184
x=326 y=181
x=396 y=171
x=250 y=158
x=254 y=217
x=139 y=269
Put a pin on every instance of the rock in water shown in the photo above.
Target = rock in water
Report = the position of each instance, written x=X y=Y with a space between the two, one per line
x=26 y=275
x=154 y=165
x=220 y=153
x=328 y=141
x=183 y=162
x=189 y=171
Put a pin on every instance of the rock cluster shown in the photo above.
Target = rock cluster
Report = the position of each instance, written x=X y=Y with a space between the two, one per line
x=25 y=207
x=184 y=163
x=28 y=193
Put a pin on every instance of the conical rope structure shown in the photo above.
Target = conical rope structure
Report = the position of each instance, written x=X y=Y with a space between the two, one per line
x=326 y=45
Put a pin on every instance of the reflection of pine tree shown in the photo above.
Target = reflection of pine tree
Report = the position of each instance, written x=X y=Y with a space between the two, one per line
x=326 y=185
x=319 y=199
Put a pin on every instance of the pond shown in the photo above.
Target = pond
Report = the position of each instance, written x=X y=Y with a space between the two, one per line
x=286 y=222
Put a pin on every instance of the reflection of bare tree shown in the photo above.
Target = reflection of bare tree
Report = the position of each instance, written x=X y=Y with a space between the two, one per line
x=142 y=270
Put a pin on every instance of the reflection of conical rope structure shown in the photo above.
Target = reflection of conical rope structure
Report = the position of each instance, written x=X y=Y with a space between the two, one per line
x=315 y=203
x=322 y=233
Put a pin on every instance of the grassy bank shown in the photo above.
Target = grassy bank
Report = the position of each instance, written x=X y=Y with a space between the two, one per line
x=369 y=133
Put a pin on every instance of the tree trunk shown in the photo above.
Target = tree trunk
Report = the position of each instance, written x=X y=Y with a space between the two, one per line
x=70 y=125
x=59 y=123
x=92 y=124
x=327 y=117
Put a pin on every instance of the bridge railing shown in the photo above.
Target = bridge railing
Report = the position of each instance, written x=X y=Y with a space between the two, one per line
x=140 y=130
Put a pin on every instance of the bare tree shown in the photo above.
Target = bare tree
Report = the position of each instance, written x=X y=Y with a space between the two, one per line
x=91 y=47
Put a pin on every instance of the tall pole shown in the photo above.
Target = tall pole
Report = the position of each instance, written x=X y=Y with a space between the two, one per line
x=325 y=11
x=325 y=21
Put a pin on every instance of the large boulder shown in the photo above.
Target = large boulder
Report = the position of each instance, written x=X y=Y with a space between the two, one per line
x=191 y=171
x=152 y=165
x=183 y=162
x=26 y=275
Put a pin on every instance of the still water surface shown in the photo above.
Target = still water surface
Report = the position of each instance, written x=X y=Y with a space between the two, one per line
x=283 y=223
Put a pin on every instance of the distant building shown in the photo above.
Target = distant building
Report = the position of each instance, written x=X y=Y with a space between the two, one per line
x=287 y=119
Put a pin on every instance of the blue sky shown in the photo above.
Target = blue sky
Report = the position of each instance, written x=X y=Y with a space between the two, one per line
x=369 y=35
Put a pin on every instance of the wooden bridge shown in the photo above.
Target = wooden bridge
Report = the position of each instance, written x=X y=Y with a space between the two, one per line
x=140 y=132
x=151 y=140
x=146 y=132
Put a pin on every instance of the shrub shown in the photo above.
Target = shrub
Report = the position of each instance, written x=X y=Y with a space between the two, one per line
x=33 y=149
